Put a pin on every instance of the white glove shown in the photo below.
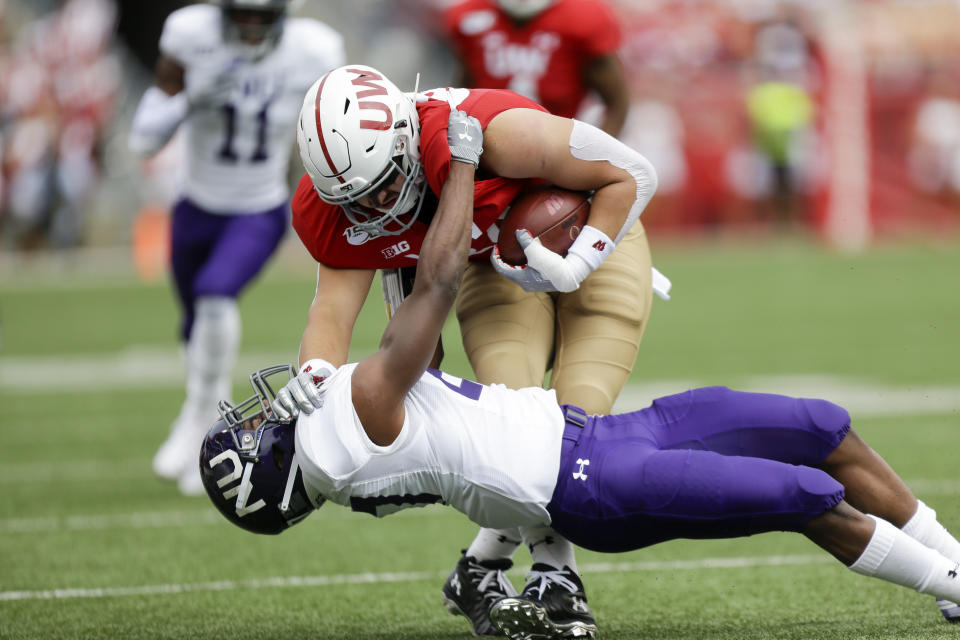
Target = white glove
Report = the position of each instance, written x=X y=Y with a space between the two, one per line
x=465 y=137
x=303 y=392
x=549 y=271
x=209 y=88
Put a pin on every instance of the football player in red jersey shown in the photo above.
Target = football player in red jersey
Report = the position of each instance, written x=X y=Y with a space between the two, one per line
x=551 y=51
x=376 y=161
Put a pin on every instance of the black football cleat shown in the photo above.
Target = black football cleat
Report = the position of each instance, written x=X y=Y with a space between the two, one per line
x=473 y=586
x=552 y=605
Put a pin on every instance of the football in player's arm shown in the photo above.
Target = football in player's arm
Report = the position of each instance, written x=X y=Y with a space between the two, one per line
x=390 y=434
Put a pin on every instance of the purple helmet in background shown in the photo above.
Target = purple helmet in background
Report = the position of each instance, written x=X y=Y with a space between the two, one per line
x=249 y=466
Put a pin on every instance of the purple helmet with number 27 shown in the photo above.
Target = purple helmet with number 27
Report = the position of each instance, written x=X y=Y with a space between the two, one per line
x=249 y=466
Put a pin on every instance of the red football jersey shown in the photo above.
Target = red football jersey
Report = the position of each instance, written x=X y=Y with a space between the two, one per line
x=328 y=235
x=542 y=58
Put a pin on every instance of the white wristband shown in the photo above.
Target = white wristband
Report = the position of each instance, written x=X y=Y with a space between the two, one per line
x=318 y=364
x=592 y=246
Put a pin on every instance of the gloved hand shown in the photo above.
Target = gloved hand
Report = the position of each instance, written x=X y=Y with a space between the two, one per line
x=207 y=87
x=545 y=270
x=465 y=137
x=303 y=392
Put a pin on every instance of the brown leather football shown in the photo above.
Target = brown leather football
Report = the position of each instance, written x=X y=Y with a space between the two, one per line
x=550 y=213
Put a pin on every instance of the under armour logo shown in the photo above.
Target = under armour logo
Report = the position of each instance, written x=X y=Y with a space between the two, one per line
x=580 y=606
x=580 y=475
x=465 y=136
x=599 y=245
x=953 y=572
x=455 y=583
x=546 y=540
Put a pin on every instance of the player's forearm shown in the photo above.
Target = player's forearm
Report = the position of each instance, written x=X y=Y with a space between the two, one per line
x=606 y=77
x=614 y=117
x=157 y=117
x=325 y=338
x=443 y=255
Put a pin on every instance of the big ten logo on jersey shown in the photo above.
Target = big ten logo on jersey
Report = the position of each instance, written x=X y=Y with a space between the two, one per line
x=396 y=250
x=234 y=476
x=525 y=64
x=366 y=102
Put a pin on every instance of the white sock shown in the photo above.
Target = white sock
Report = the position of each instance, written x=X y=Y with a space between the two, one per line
x=211 y=353
x=923 y=526
x=549 y=547
x=494 y=544
x=894 y=556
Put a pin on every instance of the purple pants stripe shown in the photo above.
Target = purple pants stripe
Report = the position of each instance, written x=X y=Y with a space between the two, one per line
x=706 y=463
x=219 y=254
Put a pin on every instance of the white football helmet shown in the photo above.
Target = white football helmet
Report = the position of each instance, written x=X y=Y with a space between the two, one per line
x=359 y=138
x=254 y=26
x=523 y=9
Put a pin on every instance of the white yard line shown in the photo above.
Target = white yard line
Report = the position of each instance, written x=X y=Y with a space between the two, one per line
x=410 y=576
x=145 y=367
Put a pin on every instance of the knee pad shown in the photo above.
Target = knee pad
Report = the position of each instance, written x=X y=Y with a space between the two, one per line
x=507 y=333
x=831 y=420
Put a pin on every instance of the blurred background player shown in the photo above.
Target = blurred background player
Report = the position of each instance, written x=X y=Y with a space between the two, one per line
x=56 y=108
x=552 y=51
x=234 y=75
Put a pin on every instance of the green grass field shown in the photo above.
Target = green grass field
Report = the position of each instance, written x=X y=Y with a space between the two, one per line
x=93 y=546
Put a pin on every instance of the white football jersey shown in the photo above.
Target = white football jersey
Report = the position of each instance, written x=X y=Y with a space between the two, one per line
x=239 y=143
x=488 y=451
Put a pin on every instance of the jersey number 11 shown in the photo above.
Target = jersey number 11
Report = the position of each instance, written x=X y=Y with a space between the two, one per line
x=227 y=152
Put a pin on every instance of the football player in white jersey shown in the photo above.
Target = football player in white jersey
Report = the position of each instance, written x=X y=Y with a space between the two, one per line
x=232 y=75
x=391 y=433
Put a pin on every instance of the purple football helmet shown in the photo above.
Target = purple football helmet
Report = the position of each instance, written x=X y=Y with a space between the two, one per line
x=249 y=466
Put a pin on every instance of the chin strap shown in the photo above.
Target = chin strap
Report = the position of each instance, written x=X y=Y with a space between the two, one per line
x=291 y=480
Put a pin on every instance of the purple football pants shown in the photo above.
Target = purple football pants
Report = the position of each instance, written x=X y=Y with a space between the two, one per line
x=706 y=463
x=219 y=254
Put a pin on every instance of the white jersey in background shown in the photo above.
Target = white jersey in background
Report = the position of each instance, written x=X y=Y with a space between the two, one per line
x=239 y=139
x=489 y=451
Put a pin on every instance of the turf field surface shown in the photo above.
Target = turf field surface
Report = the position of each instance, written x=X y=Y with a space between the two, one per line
x=93 y=546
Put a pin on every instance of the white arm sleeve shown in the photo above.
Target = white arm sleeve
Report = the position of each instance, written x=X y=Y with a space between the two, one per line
x=593 y=145
x=157 y=118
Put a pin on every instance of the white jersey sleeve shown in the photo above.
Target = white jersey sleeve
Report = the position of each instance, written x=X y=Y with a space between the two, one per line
x=240 y=127
x=492 y=453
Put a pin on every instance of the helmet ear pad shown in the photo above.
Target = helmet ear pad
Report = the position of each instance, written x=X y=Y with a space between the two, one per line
x=355 y=133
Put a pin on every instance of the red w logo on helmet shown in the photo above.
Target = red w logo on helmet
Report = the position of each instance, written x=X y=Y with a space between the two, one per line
x=367 y=79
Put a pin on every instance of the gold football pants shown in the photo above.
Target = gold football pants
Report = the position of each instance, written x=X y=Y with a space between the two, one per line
x=589 y=337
